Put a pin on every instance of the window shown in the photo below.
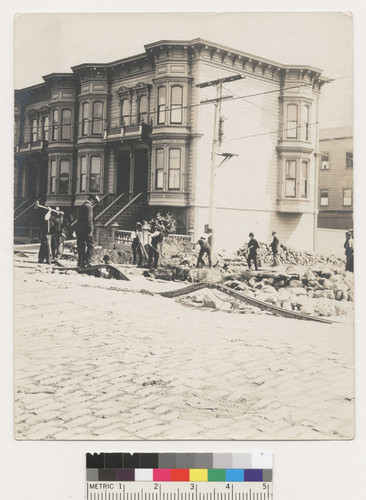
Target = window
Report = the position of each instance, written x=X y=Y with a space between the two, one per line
x=290 y=181
x=176 y=111
x=53 y=177
x=324 y=197
x=325 y=161
x=161 y=105
x=303 y=180
x=291 y=126
x=34 y=129
x=306 y=122
x=97 y=118
x=159 y=178
x=83 y=174
x=143 y=109
x=63 y=187
x=66 y=124
x=347 y=197
x=125 y=112
x=95 y=168
x=46 y=128
x=174 y=169
x=54 y=124
x=85 y=119
x=349 y=160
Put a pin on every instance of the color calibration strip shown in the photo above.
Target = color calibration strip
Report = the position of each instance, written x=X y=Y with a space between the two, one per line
x=182 y=467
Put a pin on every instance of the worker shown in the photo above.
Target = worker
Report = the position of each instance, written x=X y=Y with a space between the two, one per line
x=45 y=251
x=275 y=245
x=205 y=249
x=183 y=272
x=252 y=247
x=348 y=245
x=155 y=238
x=59 y=236
x=136 y=244
x=84 y=231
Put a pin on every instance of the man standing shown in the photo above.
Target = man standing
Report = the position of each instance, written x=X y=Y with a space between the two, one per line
x=136 y=245
x=45 y=250
x=204 y=249
x=252 y=247
x=84 y=232
x=274 y=245
x=155 y=237
x=58 y=237
x=348 y=245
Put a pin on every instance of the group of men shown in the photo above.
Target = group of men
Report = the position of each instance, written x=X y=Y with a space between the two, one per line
x=52 y=236
x=155 y=237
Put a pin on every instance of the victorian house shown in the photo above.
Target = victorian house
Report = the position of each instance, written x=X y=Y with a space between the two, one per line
x=138 y=132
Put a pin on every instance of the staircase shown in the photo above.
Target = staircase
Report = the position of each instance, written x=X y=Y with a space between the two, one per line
x=111 y=210
x=133 y=211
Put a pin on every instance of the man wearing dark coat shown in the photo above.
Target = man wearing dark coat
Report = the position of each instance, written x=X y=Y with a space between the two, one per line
x=274 y=245
x=47 y=227
x=204 y=249
x=252 y=247
x=84 y=232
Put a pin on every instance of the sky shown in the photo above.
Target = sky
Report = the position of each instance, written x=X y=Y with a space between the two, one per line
x=48 y=43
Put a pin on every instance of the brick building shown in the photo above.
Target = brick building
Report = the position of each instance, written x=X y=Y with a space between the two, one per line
x=139 y=133
x=336 y=178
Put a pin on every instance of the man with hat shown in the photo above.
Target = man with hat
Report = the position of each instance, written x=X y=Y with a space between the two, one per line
x=252 y=247
x=84 y=231
x=204 y=249
x=274 y=245
x=348 y=245
x=136 y=245
x=59 y=236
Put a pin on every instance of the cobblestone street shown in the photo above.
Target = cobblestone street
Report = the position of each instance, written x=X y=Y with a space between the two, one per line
x=95 y=359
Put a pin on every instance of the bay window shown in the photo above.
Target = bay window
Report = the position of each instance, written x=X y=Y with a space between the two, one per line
x=174 y=169
x=296 y=178
x=89 y=174
x=305 y=125
x=46 y=128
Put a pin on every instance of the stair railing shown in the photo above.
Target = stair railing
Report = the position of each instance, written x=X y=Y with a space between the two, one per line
x=109 y=206
x=124 y=208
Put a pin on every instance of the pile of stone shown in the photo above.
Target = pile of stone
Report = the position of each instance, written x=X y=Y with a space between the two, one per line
x=310 y=291
x=289 y=255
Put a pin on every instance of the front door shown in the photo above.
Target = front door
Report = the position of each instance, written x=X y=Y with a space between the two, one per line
x=141 y=171
x=123 y=173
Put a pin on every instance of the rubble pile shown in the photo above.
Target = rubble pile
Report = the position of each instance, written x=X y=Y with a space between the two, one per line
x=289 y=255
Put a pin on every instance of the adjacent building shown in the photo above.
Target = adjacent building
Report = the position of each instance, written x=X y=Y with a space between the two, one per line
x=336 y=178
x=138 y=132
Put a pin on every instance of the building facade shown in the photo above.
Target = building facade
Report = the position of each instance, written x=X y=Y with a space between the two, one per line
x=336 y=178
x=138 y=132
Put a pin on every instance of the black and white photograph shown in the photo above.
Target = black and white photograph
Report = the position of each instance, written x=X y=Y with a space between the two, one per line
x=184 y=226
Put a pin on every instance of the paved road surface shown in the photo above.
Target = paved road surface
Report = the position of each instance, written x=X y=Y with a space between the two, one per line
x=95 y=359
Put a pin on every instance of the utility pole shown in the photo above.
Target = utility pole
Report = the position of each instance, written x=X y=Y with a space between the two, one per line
x=215 y=144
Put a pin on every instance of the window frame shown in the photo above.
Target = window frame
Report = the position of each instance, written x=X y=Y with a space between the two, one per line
x=83 y=175
x=91 y=158
x=125 y=122
x=61 y=161
x=174 y=107
x=46 y=128
x=292 y=178
x=53 y=176
x=66 y=127
x=140 y=114
x=349 y=159
x=85 y=118
x=350 y=197
x=159 y=170
x=322 y=161
x=161 y=114
x=97 y=121
x=174 y=169
x=304 y=179
x=55 y=124
x=305 y=124
x=324 y=190
x=34 y=129
x=289 y=127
